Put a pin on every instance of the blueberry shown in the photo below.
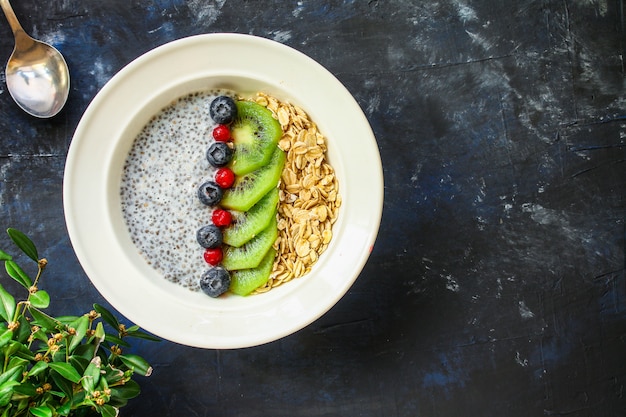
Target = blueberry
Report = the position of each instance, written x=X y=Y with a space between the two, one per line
x=210 y=193
x=223 y=110
x=219 y=154
x=209 y=236
x=215 y=281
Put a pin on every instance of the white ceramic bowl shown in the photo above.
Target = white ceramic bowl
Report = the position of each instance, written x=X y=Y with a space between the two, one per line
x=102 y=141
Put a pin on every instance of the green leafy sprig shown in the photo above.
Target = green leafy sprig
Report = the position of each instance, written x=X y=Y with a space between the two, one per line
x=63 y=366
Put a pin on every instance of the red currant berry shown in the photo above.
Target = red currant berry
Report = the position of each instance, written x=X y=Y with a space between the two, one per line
x=224 y=177
x=221 y=218
x=213 y=256
x=221 y=133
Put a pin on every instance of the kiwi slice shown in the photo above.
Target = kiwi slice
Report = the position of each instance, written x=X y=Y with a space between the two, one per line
x=244 y=281
x=248 y=189
x=251 y=254
x=246 y=224
x=255 y=134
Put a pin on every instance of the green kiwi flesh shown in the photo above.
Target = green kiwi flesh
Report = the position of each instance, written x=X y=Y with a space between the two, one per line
x=244 y=281
x=251 y=254
x=247 y=224
x=248 y=189
x=255 y=134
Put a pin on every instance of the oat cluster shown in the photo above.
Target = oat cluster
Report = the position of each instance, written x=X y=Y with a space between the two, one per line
x=309 y=197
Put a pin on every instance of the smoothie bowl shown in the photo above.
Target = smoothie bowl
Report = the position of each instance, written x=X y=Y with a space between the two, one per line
x=150 y=271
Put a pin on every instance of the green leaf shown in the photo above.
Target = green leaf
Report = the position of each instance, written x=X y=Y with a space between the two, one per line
x=113 y=375
x=116 y=340
x=5 y=337
x=85 y=351
x=7 y=305
x=43 y=320
x=79 y=399
x=5 y=256
x=27 y=389
x=99 y=334
x=66 y=370
x=127 y=391
x=11 y=374
x=81 y=325
x=64 y=385
x=139 y=334
x=40 y=299
x=41 y=411
x=12 y=348
x=17 y=362
x=25 y=353
x=22 y=405
x=79 y=363
x=38 y=368
x=23 y=331
x=107 y=410
x=103 y=384
x=65 y=409
x=91 y=377
x=24 y=243
x=67 y=320
x=137 y=363
x=18 y=274
x=117 y=402
x=6 y=391
x=107 y=316
x=40 y=335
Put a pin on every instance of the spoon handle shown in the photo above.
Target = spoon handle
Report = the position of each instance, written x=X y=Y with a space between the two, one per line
x=11 y=18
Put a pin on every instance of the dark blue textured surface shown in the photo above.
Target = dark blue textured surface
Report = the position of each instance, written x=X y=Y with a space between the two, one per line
x=497 y=284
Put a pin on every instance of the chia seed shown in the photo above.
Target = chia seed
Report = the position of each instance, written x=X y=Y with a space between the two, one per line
x=162 y=172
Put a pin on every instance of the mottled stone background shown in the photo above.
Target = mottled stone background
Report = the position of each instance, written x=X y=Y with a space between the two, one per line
x=497 y=285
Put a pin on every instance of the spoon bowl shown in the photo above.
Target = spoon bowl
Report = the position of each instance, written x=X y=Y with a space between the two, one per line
x=37 y=75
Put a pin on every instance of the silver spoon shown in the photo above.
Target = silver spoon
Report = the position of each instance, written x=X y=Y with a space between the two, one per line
x=37 y=75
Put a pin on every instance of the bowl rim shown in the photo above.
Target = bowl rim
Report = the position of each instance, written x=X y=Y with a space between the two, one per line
x=131 y=96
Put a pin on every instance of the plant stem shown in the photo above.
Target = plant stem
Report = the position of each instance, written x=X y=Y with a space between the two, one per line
x=40 y=266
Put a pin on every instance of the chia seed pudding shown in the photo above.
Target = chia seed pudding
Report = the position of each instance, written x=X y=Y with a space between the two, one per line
x=162 y=172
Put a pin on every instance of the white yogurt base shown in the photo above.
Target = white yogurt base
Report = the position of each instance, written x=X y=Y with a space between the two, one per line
x=162 y=172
